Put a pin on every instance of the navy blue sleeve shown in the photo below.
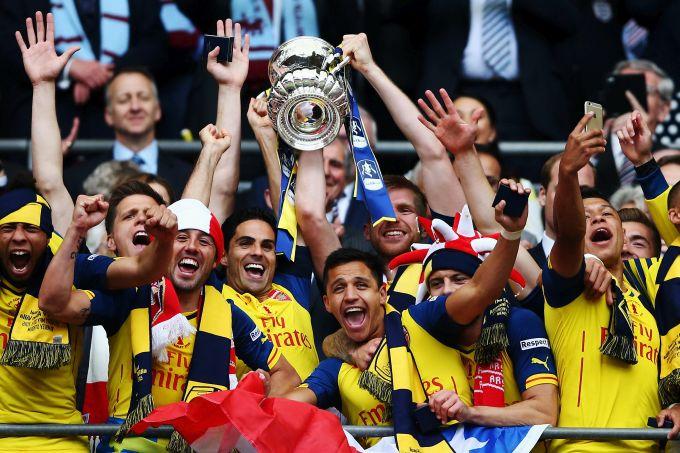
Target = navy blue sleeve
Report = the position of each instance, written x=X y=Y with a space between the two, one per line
x=324 y=383
x=297 y=277
x=90 y=271
x=532 y=359
x=110 y=309
x=534 y=301
x=432 y=316
x=650 y=178
x=252 y=346
x=560 y=291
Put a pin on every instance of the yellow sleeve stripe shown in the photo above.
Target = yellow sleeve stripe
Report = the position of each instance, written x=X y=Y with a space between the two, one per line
x=542 y=378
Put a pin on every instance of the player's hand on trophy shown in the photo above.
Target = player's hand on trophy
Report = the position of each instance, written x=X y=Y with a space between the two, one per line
x=356 y=47
x=233 y=73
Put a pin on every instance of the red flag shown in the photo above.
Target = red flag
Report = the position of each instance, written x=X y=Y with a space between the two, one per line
x=244 y=418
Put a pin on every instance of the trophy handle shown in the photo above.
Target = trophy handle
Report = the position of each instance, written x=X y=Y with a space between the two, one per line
x=340 y=65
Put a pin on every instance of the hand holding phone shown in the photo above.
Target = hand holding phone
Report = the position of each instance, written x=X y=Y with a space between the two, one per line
x=514 y=202
x=226 y=47
x=597 y=120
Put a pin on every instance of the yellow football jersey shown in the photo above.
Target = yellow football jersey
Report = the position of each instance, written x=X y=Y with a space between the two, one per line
x=598 y=391
x=287 y=324
x=37 y=396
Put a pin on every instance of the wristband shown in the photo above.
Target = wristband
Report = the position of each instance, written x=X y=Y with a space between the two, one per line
x=511 y=235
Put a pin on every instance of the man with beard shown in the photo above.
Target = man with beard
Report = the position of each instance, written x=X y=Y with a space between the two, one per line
x=177 y=369
x=356 y=296
x=595 y=343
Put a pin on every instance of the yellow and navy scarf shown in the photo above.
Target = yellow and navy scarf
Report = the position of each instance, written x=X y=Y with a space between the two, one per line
x=667 y=313
x=35 y=341
x=286 y=225
x=407 y=392
x=209 y=370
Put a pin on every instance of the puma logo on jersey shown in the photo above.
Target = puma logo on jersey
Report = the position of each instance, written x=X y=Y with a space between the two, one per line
x=536 y=361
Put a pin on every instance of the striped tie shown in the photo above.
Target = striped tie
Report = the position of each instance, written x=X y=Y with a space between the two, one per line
x=496 y=35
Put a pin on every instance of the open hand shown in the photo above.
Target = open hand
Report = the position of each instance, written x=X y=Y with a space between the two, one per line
x=161 y=223
x=512 y=224
x=233 y=73
x=447 y=125
x=89 y=211
x=41 y=62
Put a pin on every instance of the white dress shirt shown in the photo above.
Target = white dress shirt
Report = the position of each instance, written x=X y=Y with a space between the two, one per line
x=149 y=154
x=547 y=244
x=474 y=66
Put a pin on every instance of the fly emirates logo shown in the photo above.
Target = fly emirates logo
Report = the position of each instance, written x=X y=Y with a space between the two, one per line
x=284 y=335
x=644 y=340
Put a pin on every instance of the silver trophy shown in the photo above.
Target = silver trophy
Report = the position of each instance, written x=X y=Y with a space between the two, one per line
x=307 y=102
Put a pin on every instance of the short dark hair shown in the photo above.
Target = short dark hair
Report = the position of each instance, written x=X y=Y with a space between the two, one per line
x=546 y=169
x=636 y=215
x=123 y=191
x=350 y=255
x=592 y=192
x=243 y=215
x=400 y=182
x=674 y=195
x=149 y=178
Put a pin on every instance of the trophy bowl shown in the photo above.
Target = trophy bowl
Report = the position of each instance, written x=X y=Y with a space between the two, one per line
x=308 y=100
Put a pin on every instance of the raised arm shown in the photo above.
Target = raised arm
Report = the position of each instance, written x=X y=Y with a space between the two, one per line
x=444 y=194
x=636 y=143
x=310 y=209
x=152 y=263
x=215 y=143
x=43 y=66
x=230 y=78
x=459 y=137
x=56 y=297
x=268 y=141
x=470 y=301
x=566 y=256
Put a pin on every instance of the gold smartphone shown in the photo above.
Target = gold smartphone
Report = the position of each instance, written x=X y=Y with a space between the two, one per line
x=596 y=122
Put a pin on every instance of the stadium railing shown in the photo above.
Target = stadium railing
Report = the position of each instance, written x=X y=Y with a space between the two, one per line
x=59 y=430
x=250 y=147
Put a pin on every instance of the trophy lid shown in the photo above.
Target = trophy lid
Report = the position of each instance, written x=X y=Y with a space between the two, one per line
x=297 y=53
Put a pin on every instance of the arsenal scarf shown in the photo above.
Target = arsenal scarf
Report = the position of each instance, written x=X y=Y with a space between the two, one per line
x=489 y=386
x=211 y=363
x=286 y=225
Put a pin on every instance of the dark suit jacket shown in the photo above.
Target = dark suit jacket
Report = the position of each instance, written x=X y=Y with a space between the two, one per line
x=148 y=47
x=607 y=176
x=538 y=255
x=538 y=25
x=173 y=169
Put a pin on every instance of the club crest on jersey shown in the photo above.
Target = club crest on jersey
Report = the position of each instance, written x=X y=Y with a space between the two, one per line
x=278 y=295
x=358 y=138
x=370 y=175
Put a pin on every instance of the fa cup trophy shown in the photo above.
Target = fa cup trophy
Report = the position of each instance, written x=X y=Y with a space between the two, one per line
x=308 y=99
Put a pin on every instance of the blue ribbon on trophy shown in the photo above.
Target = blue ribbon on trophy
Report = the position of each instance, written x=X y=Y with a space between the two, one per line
x=369 y=186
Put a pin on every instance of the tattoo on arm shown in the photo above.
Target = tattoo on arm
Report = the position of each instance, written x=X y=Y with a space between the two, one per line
x=84 y=313
x=339 y=345
x=79 y=243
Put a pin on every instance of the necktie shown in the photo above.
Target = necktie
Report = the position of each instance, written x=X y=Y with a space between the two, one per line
x=138 y=160
x=496 y=28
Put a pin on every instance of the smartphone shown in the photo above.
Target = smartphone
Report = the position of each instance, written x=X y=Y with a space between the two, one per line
x=514 y=202
x=596 y=122
x=614 y=93
x=226 y=47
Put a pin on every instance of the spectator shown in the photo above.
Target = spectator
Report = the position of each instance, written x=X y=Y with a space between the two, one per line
x=132 y=111
x=629 y=197
x=642 y=239
x=160 y=185
x=112 y=35
x=108 y=175
x=503 y=52
x=613 y=169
